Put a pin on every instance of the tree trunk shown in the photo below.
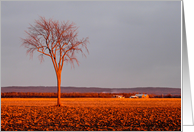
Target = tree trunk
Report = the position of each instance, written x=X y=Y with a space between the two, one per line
x=59 y=88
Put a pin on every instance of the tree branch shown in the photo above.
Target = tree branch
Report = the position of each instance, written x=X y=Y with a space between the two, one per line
x=59 y=38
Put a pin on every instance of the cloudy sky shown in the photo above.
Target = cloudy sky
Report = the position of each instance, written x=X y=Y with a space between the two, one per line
x=132 y=44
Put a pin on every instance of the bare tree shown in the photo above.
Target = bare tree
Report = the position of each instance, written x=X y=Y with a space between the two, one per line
x=58 y=40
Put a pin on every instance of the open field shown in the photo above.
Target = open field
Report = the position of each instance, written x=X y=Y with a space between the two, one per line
x=98 y=114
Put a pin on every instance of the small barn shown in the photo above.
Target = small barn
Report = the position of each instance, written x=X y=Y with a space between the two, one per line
x=140 y=96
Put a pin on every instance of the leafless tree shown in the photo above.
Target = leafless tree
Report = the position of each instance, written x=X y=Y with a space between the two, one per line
x=58 y=40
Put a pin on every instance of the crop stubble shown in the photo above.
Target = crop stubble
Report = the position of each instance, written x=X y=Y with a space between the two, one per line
x=93 y=114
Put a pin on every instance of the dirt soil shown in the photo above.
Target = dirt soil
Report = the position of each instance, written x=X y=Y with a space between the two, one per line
x=91 y=114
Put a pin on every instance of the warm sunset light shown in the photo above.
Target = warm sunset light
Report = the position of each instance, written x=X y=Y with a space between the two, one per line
x=92 y=114
x=57 y=40
x=120 y=72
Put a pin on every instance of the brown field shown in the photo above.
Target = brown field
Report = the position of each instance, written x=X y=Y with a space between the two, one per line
x=91 y=114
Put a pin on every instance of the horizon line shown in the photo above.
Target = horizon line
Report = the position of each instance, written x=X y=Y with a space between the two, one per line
x=95 y=87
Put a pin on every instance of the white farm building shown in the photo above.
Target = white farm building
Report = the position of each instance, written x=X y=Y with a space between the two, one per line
x=140 y=96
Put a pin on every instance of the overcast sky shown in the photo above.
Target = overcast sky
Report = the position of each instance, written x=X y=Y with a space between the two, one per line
x=132 y=44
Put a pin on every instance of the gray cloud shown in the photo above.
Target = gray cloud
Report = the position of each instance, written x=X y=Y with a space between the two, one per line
x=131 y=43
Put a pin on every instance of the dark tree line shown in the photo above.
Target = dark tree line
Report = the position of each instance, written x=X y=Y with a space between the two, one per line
x=77 y=95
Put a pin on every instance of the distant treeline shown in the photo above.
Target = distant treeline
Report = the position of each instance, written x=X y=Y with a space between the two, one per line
x=78 y=95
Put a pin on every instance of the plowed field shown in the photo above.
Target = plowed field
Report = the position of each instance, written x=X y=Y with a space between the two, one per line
x=91 y=114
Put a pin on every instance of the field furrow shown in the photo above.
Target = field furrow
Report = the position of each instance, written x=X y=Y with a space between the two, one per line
x=93 y=114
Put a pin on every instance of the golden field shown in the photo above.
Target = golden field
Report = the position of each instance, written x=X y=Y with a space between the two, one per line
x=91 y=114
